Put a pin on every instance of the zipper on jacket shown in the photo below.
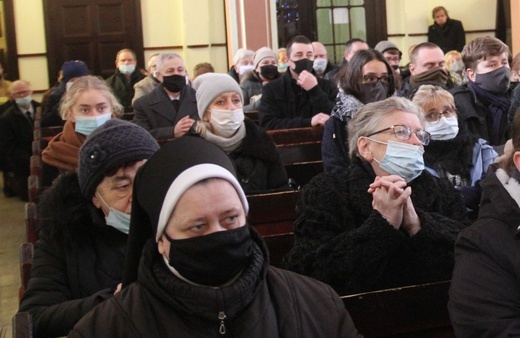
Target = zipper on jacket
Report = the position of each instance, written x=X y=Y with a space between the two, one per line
x=222 y=328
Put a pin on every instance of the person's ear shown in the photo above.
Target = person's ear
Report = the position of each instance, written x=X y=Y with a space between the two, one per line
x=162 y=247
x=471 y=74
x=96 y=201
x=516 y=159
x=207 y=116
x=411 y=66
x=364 y=148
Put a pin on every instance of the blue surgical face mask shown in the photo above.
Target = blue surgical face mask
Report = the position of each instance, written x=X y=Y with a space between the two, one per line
x=402 y=159
x=87 y=124
x=126 y=69
x=23 y=101
x=116 y=219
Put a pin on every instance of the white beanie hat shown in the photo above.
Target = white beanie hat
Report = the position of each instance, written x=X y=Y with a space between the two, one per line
x=209 y=86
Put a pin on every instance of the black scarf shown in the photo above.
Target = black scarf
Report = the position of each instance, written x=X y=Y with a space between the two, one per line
x=498 y=105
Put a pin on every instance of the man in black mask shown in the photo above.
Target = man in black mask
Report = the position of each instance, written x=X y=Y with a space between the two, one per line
x=426 y=67
x=484 y=101
x=170 y=109
x=297 y=99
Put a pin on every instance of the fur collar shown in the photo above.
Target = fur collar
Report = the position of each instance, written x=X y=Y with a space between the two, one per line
x=511 y=185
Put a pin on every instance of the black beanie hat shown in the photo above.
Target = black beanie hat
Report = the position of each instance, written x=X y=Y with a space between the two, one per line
x=110 y=146
x=162 y=180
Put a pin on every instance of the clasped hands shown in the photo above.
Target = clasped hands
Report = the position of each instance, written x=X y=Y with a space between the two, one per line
x=391 y=198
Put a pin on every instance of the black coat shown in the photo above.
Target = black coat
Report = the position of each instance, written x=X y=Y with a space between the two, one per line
x=16 y=136
x=263 y=302
x=257 y=162
x=485 y=288
x=286 y=105
x=156 y=113
x=78 y=260
x=471 y=110
x=124 y=89
x=342 y=241
x=449 y=37
x=51 y=110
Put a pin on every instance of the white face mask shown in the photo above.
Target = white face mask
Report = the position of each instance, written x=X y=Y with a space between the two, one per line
x=126 y=69
x=116 y=219
x=226 y=122
x=456 y=66
x=444 y=129
x=244 y=68
x=319 y=65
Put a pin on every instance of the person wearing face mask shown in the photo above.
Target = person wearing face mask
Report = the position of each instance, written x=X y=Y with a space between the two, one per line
x=16 y=136
x=426 y=67
x=321 y=64
x=126 y=75
x=222 y=121
x=455 y=67
x=366 y=78
x=201 y=269
x=86 y=105
x=242 y=63
x=384 y=222
x=265 y=71
x=70 y=72
x=85 y=217
x=454 y=153
x=149 y=83
x=170 y=109
x=483 y=103
x=297 y=99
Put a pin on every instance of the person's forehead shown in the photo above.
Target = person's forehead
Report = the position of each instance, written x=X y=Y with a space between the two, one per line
x=125 y=55
x=21 y=87
x=358 y=45
x=430 y=55
x=400 y=117
x=301 y=47
x=173 y=63
x=319 y=48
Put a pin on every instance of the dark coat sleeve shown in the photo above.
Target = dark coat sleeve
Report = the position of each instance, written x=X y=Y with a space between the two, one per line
x=48 y=298
x=460 y=35
x=15 y=144
x=484 y=293
x=142 y=118
x=334 y=149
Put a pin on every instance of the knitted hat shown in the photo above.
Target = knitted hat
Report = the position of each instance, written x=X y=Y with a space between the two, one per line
x=110 y=146
x=209 y=86
x=261 y=54
x=72 y=69
x=383 y=46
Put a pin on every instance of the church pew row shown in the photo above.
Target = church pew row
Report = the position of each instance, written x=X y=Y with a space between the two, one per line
x=25 y=256
x=405 y=312
x=273 y=213
x=22 y=326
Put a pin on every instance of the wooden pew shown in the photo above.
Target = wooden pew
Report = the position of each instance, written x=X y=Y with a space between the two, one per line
x=31 y=222
x=26 y=255
x=273 y=213
x=278 y=245
x=410 y=311
x=253 y=115
x=22 y=326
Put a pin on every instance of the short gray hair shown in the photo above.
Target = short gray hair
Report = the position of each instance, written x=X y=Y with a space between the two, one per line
x=369 y=117
x=242 y=53
x=164 y=57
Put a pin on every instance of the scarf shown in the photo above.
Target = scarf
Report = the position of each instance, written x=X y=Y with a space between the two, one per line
x=498 y=105
x=434 y=76
x=227 y=144
x=63 y=150
x=346 y=106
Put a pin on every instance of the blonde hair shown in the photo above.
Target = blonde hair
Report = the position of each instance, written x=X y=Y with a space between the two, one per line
x=428 y=95
x=450 y=57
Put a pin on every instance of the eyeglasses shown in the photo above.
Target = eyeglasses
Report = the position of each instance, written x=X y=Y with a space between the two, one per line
x=372 y=78
x=404 y=133
x=435 y=116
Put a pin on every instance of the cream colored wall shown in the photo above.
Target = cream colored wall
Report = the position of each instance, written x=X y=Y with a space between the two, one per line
x=414 y=17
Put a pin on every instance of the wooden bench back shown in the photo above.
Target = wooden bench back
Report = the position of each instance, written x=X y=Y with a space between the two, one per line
x=26 y=256
x=410 y=311
x=273 y=213
x=279 y=245
x=22 y=325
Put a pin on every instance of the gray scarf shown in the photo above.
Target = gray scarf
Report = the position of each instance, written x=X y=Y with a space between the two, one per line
x=227 y=144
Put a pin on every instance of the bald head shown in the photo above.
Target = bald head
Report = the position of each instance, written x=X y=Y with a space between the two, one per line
x=424 y=57
x=320 y=52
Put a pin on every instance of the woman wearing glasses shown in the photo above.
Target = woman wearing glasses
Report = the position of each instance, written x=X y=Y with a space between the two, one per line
x=383 y=222
x=453 y=153
x=367 y=78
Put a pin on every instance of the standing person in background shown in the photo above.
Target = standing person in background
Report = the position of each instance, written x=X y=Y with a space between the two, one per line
x=243 y=62
x=147 y=84
x=125 y=77
x=446 y=33
x=321 y=64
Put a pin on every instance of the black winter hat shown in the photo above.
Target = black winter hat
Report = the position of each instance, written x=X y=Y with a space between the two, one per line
x=110 y=146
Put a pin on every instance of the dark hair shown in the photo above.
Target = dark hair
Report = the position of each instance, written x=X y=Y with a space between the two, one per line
x=417 y=49
x=480 y=48
x=439 y=8
x=349 y=43
x=350 y=76
x=296 y=39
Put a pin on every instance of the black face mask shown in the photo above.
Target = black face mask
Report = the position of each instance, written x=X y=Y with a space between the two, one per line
x=373 y=92
x=269 y=72
x=212 y=259
x=174 y=83
x=301 y=65
x=496 y=81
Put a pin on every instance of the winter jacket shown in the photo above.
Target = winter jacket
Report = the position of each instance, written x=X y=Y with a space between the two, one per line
x=450 y=36
x=124 y=89
x=284 y=104
x=51 y=110
x=334 y=146
x=263 y=302
x=474 y=113
x=156 y=113
x=257 y=162
x=342 y=241
x=77 y=263
x=485 y=288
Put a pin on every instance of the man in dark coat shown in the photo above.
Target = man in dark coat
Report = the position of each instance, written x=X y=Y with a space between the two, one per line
x=170 y=109
x=297 y=99
x=446 y=33
x=125 y=77
x=352 y=46
x=16 y=136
